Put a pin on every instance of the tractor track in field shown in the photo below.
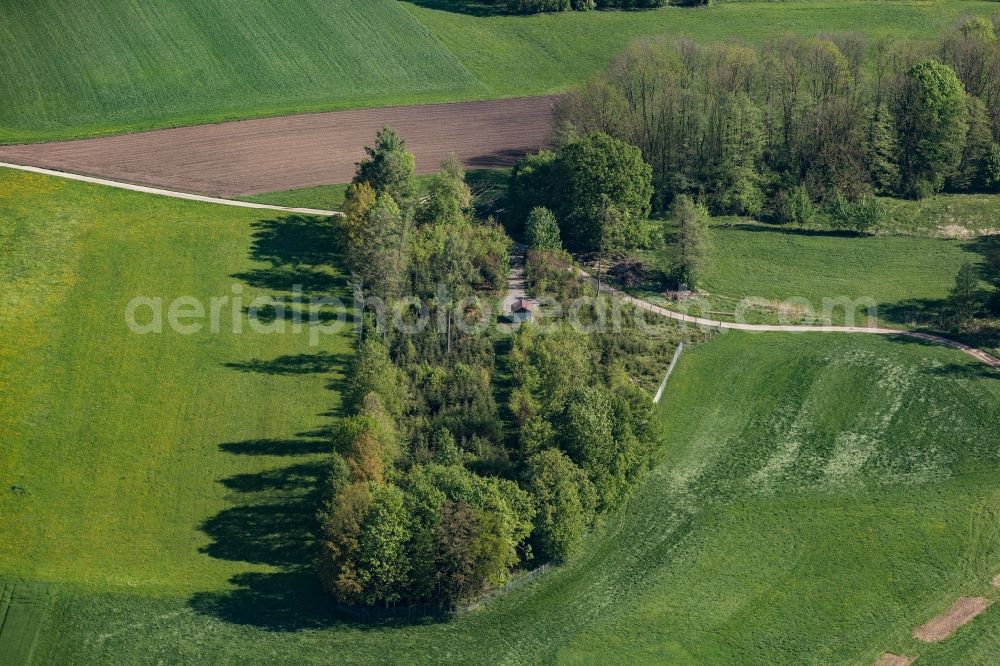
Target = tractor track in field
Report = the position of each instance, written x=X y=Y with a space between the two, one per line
x=248 y=157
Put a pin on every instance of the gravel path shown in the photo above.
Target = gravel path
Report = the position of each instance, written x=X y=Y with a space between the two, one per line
x=978 y=354
x=167 y=193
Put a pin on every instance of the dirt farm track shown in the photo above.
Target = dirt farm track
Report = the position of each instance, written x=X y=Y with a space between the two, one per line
x=288 y=152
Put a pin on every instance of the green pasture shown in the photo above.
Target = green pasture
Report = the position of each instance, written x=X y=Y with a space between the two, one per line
x=162 y=463
x=818 y=496
x=770 y=274
x=112 y=66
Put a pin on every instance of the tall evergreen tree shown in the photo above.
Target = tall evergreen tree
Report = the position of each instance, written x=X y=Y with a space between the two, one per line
x=388 y=167
x=882 y=149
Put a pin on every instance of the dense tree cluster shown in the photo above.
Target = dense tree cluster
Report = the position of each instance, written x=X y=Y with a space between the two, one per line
x=430 y=499
x=539 y=6
x=597 y=187
x=407 y=520
x=770 y=130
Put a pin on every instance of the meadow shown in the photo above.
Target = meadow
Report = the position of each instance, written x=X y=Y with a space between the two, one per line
x=753 y=268
x=111 y=67
x=818 y=496
x=149 y=461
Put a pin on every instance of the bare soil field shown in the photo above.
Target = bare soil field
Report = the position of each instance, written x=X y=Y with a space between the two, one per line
x=947 y=623
x=289 y=152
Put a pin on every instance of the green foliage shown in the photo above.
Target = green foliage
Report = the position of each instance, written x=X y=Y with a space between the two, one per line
x=964 y=300
x=364 y=539
x=882 y=149
x=242 y=406
x=374 y=372
x=992 y=168
x=110 y=70
x=539 y=6
x=530 y=186
x=565 y=500
x=692 y=240
x=388 y=167
x=591 y=174
x=736 y=170
x=599 y=189
x=761 y=266
x=866 y=215
x=377 y=253
x=932 y=117
x=448 y=198
x=553 y=275
x=542 y=231
x=972 y=173
x=793 y=206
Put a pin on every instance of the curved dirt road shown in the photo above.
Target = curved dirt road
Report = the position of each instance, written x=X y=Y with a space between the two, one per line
x=977 y=354
x=284 y=153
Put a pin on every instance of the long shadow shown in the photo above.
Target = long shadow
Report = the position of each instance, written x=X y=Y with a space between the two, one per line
x=468 y=7
x=929 y=312
x=971 y=369
x=271 y=518
x=793 y=231
x=295 y=364
x=299 y=250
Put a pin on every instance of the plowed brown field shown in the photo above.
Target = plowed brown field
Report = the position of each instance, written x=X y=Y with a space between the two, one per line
x=274 y=154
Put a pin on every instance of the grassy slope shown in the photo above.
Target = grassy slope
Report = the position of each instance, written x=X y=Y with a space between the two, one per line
x=904 y=275
x=130 y=460
x=946 y=214
x=120 y=65
x=112 y=65
x=820 y=497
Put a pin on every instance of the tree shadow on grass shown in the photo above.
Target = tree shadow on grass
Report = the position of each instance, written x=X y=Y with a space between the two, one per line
x=299 y=249
x=296 y=364
x=970 y=369
x=793 y=231
x=468 y=7
x=271 y=520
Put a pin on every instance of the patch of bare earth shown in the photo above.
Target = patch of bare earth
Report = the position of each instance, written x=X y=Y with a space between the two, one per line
x=996 y=581
x=289 y=152
x=889 y=659
x=947 y=623
x=960 y=232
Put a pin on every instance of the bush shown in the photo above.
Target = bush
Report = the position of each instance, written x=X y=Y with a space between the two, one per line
x=792 y=206
x=867 y=214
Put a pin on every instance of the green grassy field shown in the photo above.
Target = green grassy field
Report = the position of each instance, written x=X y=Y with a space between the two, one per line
x=818 y=498
x=111 y=66
x=160 y=462
x=908 y=277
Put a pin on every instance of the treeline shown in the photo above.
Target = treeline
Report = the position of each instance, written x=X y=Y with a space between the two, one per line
x=431 y=499
x=770 y=130
x=539 y=6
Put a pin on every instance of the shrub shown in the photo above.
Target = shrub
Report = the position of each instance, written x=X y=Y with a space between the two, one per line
x=867 y=214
